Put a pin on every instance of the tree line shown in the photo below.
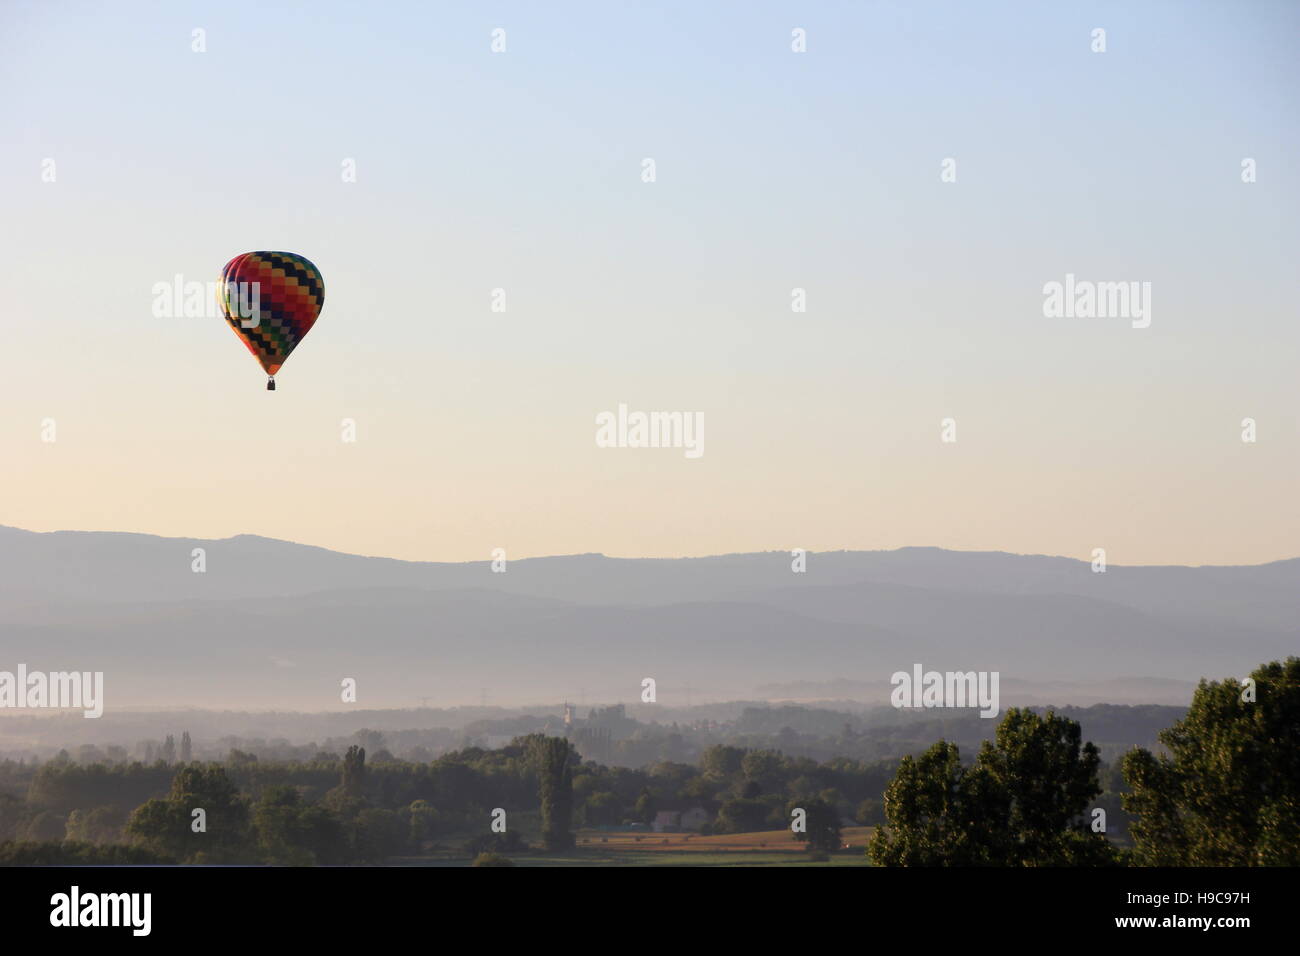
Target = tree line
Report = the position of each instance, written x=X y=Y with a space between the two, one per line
x=1225 y=790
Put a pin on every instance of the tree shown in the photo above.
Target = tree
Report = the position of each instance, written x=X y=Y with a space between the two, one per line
x=237 y=758
x=354 y=772
x=603 y=808
x=70 y=853
x=168 y=825
x=933 y=806
x=1228 y=793
x=870 y=813
x=187 y=748
x=424 y=821
x=551 y=757
x=46 y=825
x=100 y=825
x=721 y=761
x=169 y=750
x=645 y=806
x=377 y=833
x=275 y=819
x=741 y=815
x=294 y=833
x=1021 y=803
x=821 y=825
x=1050 y=777
x=764 y=768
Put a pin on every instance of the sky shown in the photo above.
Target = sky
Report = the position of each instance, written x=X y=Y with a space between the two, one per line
x=775 y=170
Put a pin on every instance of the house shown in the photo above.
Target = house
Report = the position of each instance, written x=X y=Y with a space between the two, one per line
x=665 y=821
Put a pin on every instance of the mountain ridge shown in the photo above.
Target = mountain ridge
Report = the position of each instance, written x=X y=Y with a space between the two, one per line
x=274 y=622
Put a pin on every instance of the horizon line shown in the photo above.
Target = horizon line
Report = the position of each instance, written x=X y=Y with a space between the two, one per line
x=610 y=557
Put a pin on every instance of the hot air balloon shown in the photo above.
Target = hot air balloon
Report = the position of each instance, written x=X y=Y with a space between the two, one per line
x=271 y=300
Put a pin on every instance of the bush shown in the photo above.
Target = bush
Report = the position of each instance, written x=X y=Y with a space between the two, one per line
x=489 y=844
x=54 y=853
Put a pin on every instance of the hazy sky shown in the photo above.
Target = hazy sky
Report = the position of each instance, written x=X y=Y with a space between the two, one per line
x=776 y=170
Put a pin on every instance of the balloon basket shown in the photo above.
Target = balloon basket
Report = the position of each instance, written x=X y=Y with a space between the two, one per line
x=270 y=384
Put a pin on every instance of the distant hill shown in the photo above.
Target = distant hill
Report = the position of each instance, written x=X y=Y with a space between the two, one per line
x=272 y=624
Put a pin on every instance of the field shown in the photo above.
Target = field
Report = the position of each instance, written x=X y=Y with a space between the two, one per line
x=765 y=848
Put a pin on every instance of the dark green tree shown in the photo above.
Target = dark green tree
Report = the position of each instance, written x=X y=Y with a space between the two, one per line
x=291 y=832
x=1228 y=792
x=742 y=815
x=551 y=758
x=938 y=813
x=169 y=825
x=821 y=825
x=275 y=819
x=377 y=833
x=1021 y=804
x=603 y=809
x=1046 y=778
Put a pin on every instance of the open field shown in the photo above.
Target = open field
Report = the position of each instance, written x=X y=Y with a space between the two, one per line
x=769 y=840
x=764 y=848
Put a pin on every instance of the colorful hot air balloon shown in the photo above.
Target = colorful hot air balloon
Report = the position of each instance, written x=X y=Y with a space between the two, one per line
x=271 y=300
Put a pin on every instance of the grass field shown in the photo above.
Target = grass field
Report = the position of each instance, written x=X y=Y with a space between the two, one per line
x=766 y=848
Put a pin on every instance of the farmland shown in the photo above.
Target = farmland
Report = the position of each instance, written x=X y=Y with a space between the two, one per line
x=623 y=848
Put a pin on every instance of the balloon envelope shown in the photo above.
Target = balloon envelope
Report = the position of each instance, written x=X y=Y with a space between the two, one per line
x=271 y=300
